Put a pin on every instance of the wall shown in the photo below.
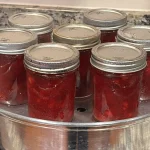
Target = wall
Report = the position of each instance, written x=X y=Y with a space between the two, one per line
x=121 y=4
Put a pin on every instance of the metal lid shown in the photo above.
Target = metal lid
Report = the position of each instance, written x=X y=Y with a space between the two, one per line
x=118 y=58
x=37 y=22
x=106 y=19
x=15 y=41
x=136 y=35
x=51 y=58
x=79 y=36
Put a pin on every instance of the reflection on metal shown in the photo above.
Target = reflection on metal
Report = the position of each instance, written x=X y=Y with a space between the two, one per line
x=20 y=132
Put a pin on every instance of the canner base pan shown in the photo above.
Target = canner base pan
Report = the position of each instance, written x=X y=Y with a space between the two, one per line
x=20 y=132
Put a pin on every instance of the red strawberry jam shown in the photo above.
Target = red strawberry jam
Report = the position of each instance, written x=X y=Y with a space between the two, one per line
x=51 y=97
x=12 y=79
x=106 y=20
x=12 y=72
x=116 y=95
x=84 y=85
x=117 y=74
x=51 y=81
x=40 y=23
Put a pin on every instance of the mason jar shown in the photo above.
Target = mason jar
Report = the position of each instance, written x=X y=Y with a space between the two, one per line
x=40 y=23
x=139 y=36
x=83 y=38
x=51 y=78
x=106 y=20
x=13 y=43
x=117 y=73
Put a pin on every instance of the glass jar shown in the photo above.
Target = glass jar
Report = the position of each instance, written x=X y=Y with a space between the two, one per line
x=83 y=38
x=13 y=43
x=41 y=24
x=51 y=77
x=139 y=36
x=117 y=71
x=106 y=20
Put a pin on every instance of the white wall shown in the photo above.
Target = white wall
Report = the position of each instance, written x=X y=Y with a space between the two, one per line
x=121 y=4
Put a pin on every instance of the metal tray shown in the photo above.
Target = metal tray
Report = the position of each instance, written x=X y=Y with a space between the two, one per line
x=20 y=132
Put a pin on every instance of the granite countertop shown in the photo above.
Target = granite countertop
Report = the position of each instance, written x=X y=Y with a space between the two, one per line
x=64 y=15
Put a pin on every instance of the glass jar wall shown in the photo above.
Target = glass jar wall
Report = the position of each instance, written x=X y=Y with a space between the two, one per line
x=139 y=36
x=83 y=38
x=12 y=73
x=117 y=72
x=51 y=78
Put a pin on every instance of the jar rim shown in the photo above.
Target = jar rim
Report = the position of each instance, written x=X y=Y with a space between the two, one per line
x=117 y=61
x=38 y=28
x=130 y=34
x=51 y=58
x=91 y=35
x=10 y=46
x=103 y=23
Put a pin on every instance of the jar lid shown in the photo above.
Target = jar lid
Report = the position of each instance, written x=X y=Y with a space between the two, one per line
x=106 y=19
x=15 y=41
x=79 y=36
x=52 y=58
x=118 y=58
x=37 y=22
x=136 y=35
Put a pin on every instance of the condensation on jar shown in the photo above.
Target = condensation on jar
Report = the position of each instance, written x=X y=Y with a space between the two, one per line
x=40 y=23
x=106 y=20
x=139 y=36
x=51 y=78
x=13 y=43
x=117 y=73
x=83 y=38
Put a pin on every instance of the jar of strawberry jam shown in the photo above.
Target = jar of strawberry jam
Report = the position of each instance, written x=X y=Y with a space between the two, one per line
x=83 y=38
x=139 y=36
x=13 y=43
x=106 y=20
x=51 y=78
x=41 y=24
x=117 y=70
